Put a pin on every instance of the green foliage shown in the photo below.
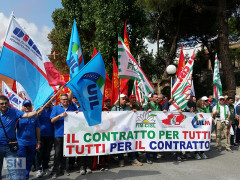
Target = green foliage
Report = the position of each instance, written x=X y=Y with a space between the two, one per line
x=99 y=22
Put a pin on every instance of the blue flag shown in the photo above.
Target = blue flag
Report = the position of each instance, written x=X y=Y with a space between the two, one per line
x=22 y=60
x=88 y=86
x=75 y=59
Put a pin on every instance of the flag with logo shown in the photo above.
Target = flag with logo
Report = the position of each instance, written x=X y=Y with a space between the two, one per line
x=129 y=69
x=14 y=99
x=217 y=84
x=23 y=60
x=126 y=39
x=115 y=84
x=75 y=59
x=181 y=62
x=181 y=90
x=107 y=88
x=88 y=87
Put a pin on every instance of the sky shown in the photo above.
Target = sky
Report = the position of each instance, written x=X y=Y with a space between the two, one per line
x=33 y=15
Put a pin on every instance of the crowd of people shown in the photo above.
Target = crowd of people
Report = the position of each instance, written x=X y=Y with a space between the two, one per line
x=38 y=132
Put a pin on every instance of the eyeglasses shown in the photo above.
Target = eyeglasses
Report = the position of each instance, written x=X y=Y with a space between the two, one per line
x=6 y=103
x=27 y=105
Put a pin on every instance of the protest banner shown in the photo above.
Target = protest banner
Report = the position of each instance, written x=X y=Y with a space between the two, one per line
x=128 y=131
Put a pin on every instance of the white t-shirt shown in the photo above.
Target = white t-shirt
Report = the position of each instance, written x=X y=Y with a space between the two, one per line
x=222 y=115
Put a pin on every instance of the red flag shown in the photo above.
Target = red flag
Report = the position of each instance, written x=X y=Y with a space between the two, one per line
x=126 y=39
x=94 y=52
x=107 y=88
x=65 y=90
x=115 y=84
x=181 y=62
x=53 y=76
x=14 y=87
x=123 y=82
x=124 y=86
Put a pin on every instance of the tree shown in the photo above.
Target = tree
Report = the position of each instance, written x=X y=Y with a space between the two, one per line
x=99 y=22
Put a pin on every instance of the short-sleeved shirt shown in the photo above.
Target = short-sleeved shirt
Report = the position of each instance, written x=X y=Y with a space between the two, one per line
x=78 y=107
x=9 y=119
x=26 y=131
x=46 y=127
x=59 y=125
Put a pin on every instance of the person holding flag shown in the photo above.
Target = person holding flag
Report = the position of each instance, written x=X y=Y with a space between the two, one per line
x=221 y=114
x=28 y=136
x=8 y=119
x=57 y=118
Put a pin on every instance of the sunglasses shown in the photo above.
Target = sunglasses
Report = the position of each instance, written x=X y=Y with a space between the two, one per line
x=64 y=99
x=27 y=105
x=5 y=103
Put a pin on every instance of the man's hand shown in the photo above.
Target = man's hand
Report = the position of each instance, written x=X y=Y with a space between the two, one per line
x=180 y=111
x=134 y=110
x=39 y=111
x=149 y=110
x=191 y=110
x=38 y=145
x=164 y=110
x=63 y=114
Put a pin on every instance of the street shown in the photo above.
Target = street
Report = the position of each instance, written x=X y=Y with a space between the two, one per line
x=220 y=165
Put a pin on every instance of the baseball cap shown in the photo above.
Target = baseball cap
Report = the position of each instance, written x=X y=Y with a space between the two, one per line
x=132 y=96
x=26 y=102
x=107 y=100
x=221 y=97
x=74 y=96
x=122 y=95
x=204 y=98
x=150 y=95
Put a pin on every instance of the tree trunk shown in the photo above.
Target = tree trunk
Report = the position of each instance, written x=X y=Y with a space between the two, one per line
x=224 y=49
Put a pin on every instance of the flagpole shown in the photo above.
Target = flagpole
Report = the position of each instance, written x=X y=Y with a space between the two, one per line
x=119 y=87
x=171 y=87
x=54 y=96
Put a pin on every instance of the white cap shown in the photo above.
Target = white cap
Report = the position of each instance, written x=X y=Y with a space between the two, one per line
x=221 y=97
x=122 y=95
x=237 y=96
x=150 y=95
x=204 y=98
x=226 y=96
